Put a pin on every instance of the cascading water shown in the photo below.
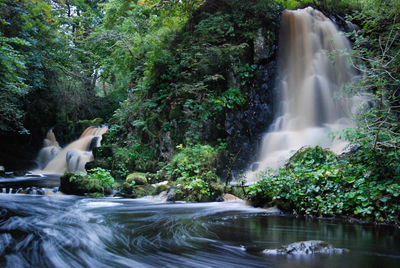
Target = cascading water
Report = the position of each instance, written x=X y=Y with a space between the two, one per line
x=312 y=69
x=49 y=151
x=53 y=159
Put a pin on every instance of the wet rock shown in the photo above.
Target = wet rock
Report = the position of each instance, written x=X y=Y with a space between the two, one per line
x=306 y=248
x=31 y=190
x=260 y=52
x=161 y=187
x=9 y=174
x=254 y=166
x=171 y=194
x=40 y=191
x=166 y=146
x=94 y=143
x=245 y=127
x=219 y=199
x=343 y=25
x=20 y=191
x=127 y=190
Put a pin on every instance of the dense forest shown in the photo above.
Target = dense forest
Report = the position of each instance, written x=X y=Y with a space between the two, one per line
x=186 y=88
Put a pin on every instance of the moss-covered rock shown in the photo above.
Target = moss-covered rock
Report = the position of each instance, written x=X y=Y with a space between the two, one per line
x=137 y=178
x=97 y=181
x=161 y=187
x=143 y=190
x=136 y=191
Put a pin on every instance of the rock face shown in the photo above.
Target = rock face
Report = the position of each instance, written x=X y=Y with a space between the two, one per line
x=306 y=248
x=245 y=127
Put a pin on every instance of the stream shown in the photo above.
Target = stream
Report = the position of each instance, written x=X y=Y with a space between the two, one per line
x=72 y=231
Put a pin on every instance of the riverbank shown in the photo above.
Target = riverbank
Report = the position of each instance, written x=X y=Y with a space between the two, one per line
x=314 y=182
x=225 y=199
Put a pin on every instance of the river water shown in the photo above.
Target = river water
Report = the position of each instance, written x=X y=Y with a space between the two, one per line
x=71 y=231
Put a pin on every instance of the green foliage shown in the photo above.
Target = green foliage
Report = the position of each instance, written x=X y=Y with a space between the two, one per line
x=376 y=56
x=366 y=182
x=136 y=178
x=137 y=185
x=193 y=172
x=195 y=76
x=101 y=175
x=334 y=6
x=48 y=65
x=97 y=181
x=230 y=99
x=12 y=84
x=315 y=182
x=135 y=157
x=216 y=27
x=191 y=162
x=183 y=73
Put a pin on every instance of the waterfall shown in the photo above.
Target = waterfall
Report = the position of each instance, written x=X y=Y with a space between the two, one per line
x=49 y=151
x=53 y=159
x=312 y=68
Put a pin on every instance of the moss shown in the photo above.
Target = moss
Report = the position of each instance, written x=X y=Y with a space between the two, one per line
x=161 y=188
x=143 y=190
x=136 y=191
x=127 y=190
x=138 y=178
x=97 y=181
x=93 y=122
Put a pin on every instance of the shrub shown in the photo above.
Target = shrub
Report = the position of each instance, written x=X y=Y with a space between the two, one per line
x=193 y=172
x=97 y=181
x=317 y=183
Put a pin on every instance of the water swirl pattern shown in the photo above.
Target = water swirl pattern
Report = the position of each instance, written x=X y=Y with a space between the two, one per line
x=70 y=231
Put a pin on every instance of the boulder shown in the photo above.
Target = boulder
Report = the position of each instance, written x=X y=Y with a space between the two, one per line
x=138 y=177
x=306 y=248
x=161 y=187
x=80 y=184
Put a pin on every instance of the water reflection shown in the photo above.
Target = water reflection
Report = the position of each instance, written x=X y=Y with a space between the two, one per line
x=68 y=231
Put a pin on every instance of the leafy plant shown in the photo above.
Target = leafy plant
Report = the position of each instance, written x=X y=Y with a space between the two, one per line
x=315 y=182
x=97 y=181
x=193 y=172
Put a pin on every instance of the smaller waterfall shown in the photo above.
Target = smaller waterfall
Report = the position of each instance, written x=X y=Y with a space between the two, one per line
x=312 y=69
x=49 y=151
x=54 y=160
